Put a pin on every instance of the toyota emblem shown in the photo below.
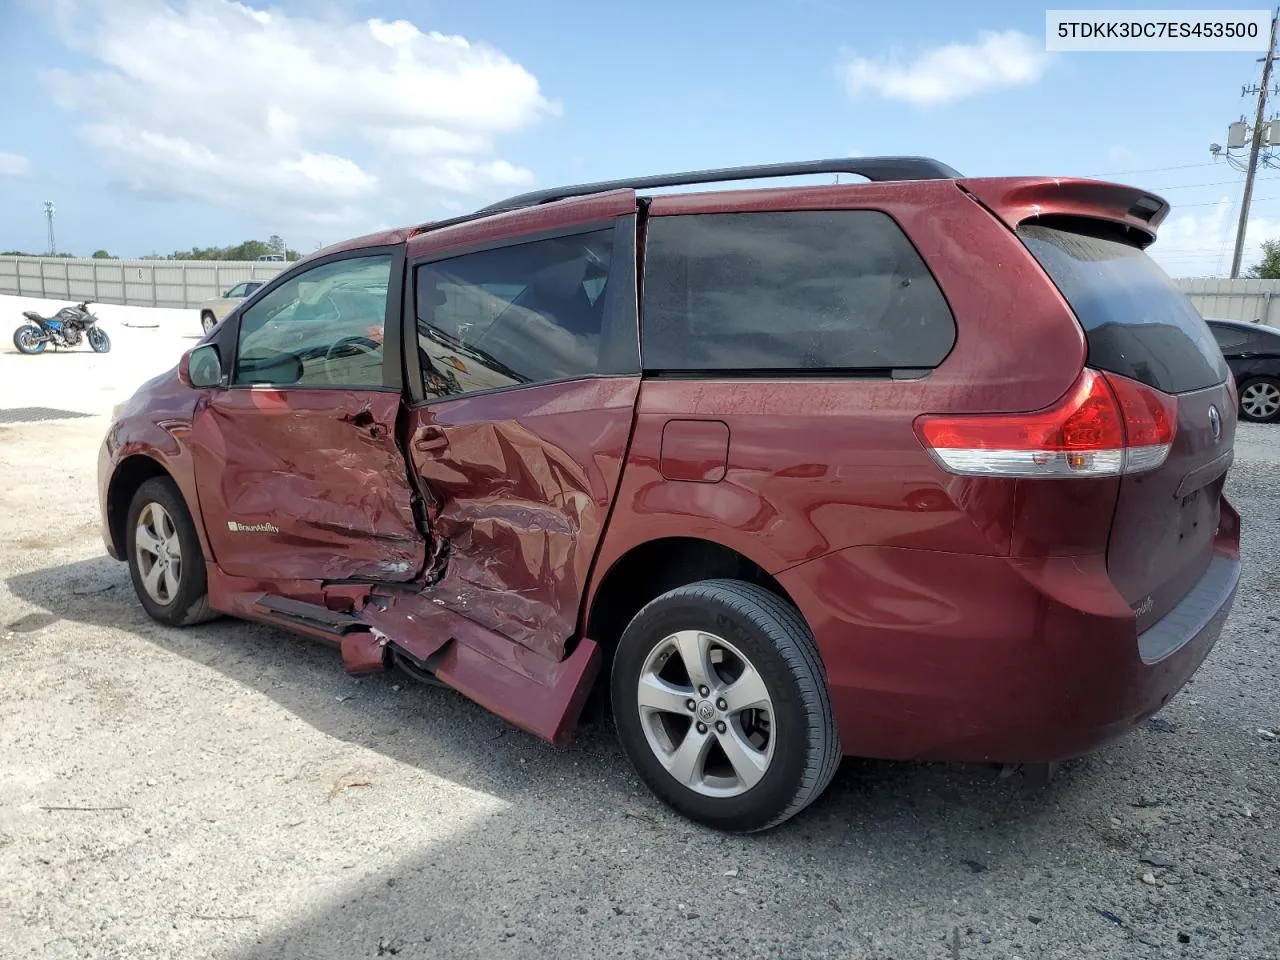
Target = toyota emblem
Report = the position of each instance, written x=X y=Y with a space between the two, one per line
x=1215 y=422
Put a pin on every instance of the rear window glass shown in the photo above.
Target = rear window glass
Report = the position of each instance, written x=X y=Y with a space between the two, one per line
x=1138 y=324
x=807 y=290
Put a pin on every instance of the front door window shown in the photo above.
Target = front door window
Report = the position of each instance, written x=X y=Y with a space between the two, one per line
x=323 y=327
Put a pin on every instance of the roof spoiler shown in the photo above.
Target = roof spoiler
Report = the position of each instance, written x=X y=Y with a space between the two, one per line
x=1018 y=199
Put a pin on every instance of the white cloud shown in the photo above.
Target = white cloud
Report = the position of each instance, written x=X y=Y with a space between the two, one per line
x=997 y=60
x=467 y=176
x=1200 y=244
x=14 y=165
x=280 y=114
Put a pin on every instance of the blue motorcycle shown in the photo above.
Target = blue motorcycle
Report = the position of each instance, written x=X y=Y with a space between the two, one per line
x=66 y=328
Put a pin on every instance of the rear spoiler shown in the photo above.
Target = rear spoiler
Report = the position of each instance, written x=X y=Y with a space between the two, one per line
x=1016 y=200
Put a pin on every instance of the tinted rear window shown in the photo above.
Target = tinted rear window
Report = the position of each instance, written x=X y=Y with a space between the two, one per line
x=805 y=290
x=1138 y=324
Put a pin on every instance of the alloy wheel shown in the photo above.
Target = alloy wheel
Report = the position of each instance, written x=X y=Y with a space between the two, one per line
x=706 y=714
x=159 y=553
x=1261 y=401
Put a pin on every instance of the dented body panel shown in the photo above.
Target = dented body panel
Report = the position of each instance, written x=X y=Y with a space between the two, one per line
x=152 y=430
x=521 y=487
x=305 y=485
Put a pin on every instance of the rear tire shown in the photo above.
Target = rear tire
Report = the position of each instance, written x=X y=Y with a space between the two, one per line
x=759 y=743
x=165 y=561
x=208 y=321
x=1260 y=400
x=99 y=342
x=27 y=339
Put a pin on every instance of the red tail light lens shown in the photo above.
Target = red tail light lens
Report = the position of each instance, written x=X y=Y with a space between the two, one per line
x=1104 y=426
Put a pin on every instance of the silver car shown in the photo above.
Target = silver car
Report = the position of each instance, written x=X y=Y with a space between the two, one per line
x=212 y=311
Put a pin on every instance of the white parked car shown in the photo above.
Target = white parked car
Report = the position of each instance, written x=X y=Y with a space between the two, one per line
x=212 y=311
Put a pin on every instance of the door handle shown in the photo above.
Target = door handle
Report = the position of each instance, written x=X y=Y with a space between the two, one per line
x=430 y=441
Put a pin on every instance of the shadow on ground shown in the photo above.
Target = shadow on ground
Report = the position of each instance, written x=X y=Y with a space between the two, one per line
x=582 y=861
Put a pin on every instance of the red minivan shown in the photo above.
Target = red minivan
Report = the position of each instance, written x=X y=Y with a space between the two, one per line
x=923 y=467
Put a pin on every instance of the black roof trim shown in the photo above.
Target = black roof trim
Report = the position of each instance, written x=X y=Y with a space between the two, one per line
x=875 y=169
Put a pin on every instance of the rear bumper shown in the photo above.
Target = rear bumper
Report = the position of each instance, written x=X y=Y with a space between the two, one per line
x=940 y=656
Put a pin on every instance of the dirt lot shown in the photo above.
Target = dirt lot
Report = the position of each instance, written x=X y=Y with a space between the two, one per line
x=226 y=791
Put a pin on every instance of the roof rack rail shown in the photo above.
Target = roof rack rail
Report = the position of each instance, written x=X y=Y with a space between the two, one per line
x=875 y=169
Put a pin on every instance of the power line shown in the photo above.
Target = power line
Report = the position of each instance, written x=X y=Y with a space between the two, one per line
x=1211 y=183
x=1214 y=203
x=1125 y=173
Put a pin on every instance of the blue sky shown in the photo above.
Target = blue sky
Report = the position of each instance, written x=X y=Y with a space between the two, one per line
x=163 y=124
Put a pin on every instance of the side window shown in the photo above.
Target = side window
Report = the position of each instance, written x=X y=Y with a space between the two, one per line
x=527 y=313
x=323 y=327
x=804 y=290
x=1228 y=337
x=251 y=287
x=1264 y=341
x=237 y=291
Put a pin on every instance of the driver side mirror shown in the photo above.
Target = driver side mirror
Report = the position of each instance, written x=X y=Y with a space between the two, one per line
x=201 y=366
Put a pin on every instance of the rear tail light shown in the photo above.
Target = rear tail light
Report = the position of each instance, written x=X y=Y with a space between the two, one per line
x=1105 y=426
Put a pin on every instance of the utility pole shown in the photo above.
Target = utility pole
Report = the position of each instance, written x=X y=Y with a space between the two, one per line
x=48 y=212
x=1254 y=148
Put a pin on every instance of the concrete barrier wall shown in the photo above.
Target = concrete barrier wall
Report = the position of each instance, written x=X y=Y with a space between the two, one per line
x=1257 y=301
x=144 y=283
x=185 y=283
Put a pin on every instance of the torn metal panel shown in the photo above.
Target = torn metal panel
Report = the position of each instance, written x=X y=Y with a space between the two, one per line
x=364 y=651
x=306 y=484
x=537 y=694
x=520 y=486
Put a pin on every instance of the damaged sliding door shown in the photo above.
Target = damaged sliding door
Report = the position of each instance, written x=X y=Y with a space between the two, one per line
x=529 y=367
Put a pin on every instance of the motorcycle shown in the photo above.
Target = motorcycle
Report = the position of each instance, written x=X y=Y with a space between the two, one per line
x=66 y=328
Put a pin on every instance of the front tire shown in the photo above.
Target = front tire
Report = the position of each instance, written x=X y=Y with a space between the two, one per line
x=99 y=342
x=28 y=339
x=1260 y=400
x=165 y=561
x=208 y=321
x=721 y=704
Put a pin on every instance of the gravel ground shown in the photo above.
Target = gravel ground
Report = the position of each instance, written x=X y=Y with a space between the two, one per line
x=227 y=791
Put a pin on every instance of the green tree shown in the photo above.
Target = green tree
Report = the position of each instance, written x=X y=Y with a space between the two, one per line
x=249 y=250
x=1268 y=268
x=103 y=255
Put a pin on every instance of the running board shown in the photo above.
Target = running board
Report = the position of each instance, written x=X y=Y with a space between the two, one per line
x=310 y=615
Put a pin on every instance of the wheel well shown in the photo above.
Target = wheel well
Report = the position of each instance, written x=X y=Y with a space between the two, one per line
x=131 y=473
x=652 y=569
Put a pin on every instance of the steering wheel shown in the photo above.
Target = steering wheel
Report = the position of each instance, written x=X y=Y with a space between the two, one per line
x=343 y=348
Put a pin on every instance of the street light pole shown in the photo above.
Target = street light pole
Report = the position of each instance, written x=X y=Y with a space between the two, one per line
x=48 y=212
